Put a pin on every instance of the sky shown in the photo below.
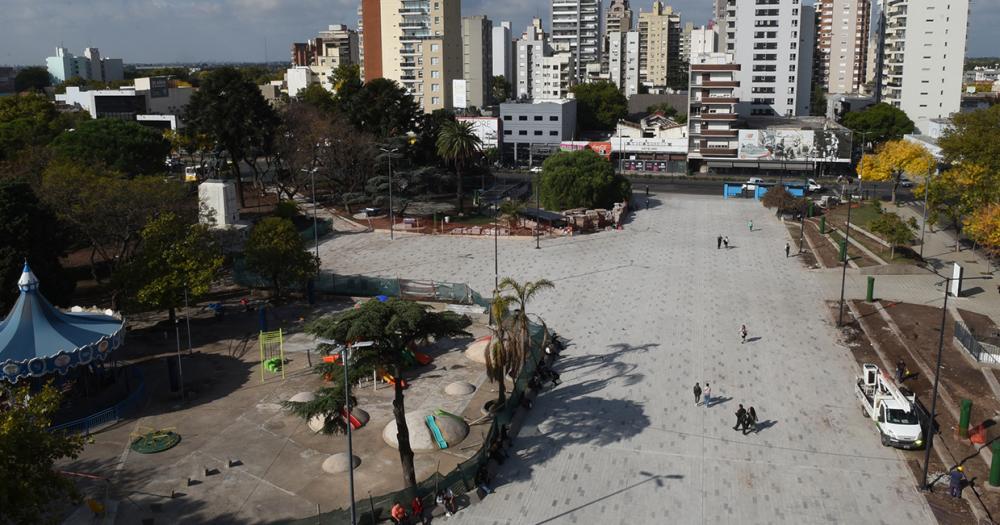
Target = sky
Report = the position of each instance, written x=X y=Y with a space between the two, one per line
x=159 y=31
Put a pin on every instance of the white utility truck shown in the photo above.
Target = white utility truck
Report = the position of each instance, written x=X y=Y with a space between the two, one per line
x=894 y=413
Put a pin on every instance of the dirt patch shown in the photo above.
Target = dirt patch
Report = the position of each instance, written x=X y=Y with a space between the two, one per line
x=805 y=255
x=826 y=253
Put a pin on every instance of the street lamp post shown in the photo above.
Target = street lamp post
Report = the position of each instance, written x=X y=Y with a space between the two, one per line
x=538 y=210
x=392 y=217
x=496 y=249
x=934 y=395
x=847 y=244
x=312 y=184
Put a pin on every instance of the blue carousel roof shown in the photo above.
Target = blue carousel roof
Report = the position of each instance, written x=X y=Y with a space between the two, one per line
x=37 y=339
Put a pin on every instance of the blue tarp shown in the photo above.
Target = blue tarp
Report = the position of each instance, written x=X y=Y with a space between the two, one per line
x=37 y=339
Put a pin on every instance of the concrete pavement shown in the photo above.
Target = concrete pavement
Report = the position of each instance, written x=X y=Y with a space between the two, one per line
x=650 y=310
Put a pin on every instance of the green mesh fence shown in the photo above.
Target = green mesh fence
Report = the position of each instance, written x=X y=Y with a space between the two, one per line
x=461 y=479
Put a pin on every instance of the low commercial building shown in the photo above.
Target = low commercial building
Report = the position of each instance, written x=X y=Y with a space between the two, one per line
x=532 y=131
x=153 y=98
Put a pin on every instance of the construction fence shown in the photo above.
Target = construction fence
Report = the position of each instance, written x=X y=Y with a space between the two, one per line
x=374 y=509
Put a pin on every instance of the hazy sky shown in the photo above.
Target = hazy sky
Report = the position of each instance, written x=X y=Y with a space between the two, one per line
x=236 y=30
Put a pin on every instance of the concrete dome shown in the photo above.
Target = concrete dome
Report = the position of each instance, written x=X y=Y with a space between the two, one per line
x=338 y=463
x=421 y=440
x=459 y=388
x=303 y=397
x=476 y=351
x=316 y=422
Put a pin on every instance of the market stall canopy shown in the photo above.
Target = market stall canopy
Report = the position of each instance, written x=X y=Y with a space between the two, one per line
x=37 y=339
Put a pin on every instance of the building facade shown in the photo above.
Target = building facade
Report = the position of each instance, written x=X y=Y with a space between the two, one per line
x=923 y=57
x=477 y=59
x=576 y=29
x=531 y=48
x=623 y=61
x=417 y=43
x=617 y=18
x=714 y=100
x=503 y=49
x=659 y=45
x=841 y=53
x=91 y=66
x=554 y=76
x=703 y=40
x=534 y=130
x=773 y=43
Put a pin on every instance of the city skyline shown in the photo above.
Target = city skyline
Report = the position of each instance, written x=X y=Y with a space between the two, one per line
x=166 y=31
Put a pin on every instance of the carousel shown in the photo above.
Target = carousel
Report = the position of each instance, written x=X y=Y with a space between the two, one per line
x=39 y=342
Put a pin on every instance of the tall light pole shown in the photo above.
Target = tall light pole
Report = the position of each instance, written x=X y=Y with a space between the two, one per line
x=392 y=217
x=538 y=210
x=934 y=395
x=496 y=248
x=847 y=245
x=312 y=184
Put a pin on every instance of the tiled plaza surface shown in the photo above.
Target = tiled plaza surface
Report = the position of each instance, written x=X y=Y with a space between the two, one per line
x=650 y=310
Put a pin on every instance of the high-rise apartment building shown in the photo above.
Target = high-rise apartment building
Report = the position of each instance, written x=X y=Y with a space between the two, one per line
x=841 y=45
x=336 y=45
x=554 y=76
x=91 y=66
x=703 y=40
x=714 y=94
x=923 y=57
x=659 y=45
x=576 y=28
x=623 y=61
x=773 y=43
x=617 y=18
x=503 y=49
x=685 y=47
x=531 y=48
x=477 y=59
x=417 y=43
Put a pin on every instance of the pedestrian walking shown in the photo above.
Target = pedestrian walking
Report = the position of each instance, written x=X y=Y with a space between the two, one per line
x=956 y=477
x=418 y=510
x=725 y=241
x=398 y=514
x=718 y=242
x=900 y=371
x=647 y=190
x=707 y=399
x=743 y=334
x=787 y=249
x=697 y=394
x=741 y=415
x=750 y=225
x=751 y=421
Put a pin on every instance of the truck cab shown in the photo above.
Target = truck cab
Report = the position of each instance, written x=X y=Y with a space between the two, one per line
x=894 y=411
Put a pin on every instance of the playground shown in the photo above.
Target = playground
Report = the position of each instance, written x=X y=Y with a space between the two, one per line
x=231 y=453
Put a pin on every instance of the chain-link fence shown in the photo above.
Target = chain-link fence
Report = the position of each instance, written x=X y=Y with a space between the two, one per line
x=462 y=478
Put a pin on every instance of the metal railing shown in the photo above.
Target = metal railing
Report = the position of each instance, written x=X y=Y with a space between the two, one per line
x=119 y=411
x=980 y=351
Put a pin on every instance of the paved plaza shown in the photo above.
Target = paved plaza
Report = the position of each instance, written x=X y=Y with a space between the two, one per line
x=650 y=310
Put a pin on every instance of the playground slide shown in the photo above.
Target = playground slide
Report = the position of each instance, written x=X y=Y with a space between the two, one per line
x=431 y=424
x=334 y=358
x=355 y=423
x=392 y=380
x=440 y=412
x=422 y=358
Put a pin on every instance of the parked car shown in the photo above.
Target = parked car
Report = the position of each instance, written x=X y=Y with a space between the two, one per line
x=751 y=184
x=905 y=182
x=813 y=186
x=536 y=169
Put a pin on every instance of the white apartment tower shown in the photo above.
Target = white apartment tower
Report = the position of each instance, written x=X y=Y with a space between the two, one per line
x=703 y=40
x=659 y=45
x=531 y=48
x=503 y=52
x=842 y=45
x=576 y=28
x=924 y=56
x=623 y=61
x=773 y=42
x=554 y=76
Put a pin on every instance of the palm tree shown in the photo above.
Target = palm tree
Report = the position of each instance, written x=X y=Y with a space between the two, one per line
x=501 y=354
x=522 y=294
x=457 y=143
x=509 y=210
x=392 y=327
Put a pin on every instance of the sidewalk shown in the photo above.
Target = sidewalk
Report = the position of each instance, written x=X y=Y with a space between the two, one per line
x=939 y=247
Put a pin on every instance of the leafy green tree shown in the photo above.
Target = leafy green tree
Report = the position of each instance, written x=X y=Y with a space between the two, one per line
x=106 y=210
x=972 y=139
x=501 y=353
x=30 y=120
x=275 y=251
x=383 y=108
x=894 y=229
x=581 y=179
x=393 y=327
x=458 y=144
x=31 y=232
x=31 y=486
x=500 y=90
x=123 y=146
x=34 y=78
x=879 y=123
x=599 y=106
x=231 y=110
x=174 y=257
x=511 y=346
x=677 y=75
x=346 y=81
x=318 y=97
x=424 y=150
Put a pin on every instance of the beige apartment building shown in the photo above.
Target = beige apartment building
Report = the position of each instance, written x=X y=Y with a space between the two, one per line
x=417 y=43
x=659 y=45
x=842 y=45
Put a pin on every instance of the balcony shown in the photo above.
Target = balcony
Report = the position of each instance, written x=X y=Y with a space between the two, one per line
x=720 y=83
x=717 y=132
x=718 y=100
x=718 y=152
x=716 y=116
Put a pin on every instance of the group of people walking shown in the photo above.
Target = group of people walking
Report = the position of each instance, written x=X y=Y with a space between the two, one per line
x=721 y=241
x=746 y=419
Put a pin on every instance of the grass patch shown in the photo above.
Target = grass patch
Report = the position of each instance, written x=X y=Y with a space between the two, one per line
x=855 y=253
x=862 y=216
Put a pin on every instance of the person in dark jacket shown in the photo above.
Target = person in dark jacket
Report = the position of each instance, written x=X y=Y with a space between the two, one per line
x=697 y=394
x=741 y=415
x=750 y=422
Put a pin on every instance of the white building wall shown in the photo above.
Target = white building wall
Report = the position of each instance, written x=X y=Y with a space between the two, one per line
x=532 y=47
x=503 y=63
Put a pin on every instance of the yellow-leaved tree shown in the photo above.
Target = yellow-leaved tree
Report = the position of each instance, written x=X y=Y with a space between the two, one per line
x=983 y=226
x=895 y=159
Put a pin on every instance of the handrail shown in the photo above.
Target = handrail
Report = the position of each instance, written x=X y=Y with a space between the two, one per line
x=109 y=415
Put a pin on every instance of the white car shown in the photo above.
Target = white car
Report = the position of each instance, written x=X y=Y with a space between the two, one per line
x=905 y=182
x=751 y=184
x=813 y=186
x=536 y=169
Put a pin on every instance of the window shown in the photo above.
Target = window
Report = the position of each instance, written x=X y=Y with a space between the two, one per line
x=538 y=118
x=522 y=132
x=435 y=100
x=435 y=74
x=508 y=132
x=554 y=118
x=791 y=101
x=435 y=61
x=507 y=117
x=435 y=88
x=553 y=133
x=538 y=133
x=522 y=117
x=435 y=47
